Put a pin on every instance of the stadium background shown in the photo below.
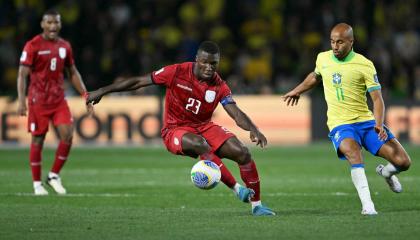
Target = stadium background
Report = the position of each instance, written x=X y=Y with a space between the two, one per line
x=144 y=192
x=267 y=47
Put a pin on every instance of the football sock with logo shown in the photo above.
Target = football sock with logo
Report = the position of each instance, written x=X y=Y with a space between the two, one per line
x=35 y=156
x=389 y=170
x=359 y=179
x=61 y=155
x=227 y=177
x=249 y=175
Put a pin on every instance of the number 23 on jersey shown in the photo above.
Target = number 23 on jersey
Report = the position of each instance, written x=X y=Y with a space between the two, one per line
x=193 y=105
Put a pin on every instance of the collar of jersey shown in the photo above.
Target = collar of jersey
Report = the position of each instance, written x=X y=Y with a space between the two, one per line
x=349 y=57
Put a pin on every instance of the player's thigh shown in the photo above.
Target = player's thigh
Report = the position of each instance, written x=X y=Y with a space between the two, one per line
x=63 y=121
x=65 y=132
x=176 y=142
x=352 y=150
x=235 y=150
x=62 y=115
x=395 y=153
x=215 y=135
x=38 y=120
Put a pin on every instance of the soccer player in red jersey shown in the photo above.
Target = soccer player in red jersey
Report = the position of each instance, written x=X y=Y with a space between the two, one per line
x=44 y=59
x=193 y=91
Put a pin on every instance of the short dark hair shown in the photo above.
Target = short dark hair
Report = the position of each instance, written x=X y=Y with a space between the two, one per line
x=51 y=12
x=209 y=47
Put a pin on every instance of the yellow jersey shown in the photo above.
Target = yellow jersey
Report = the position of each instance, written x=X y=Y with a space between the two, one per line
x=345 y=83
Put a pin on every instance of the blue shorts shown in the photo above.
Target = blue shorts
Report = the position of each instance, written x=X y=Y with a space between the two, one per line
x=362 y=132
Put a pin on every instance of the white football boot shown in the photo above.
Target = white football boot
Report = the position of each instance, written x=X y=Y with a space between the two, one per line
x=369 y=210
x=55 y=182
x=393 y=182
x=39 y=190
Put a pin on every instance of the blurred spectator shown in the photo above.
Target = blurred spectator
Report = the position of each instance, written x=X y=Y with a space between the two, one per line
x=266 y=45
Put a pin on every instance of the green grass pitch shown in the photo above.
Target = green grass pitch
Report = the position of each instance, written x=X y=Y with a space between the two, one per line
x=146 y=193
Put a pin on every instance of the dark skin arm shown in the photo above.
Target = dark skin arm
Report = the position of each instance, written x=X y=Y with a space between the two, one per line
x=120 y=85
x=292 y=97
x=77 y=82
x=379 y=113
x=244 y=122
x=23 y=74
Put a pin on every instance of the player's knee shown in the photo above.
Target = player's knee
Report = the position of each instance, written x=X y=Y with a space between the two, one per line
x=38 y=140
x=403 y=162
x=243 y=155
x=67 y=138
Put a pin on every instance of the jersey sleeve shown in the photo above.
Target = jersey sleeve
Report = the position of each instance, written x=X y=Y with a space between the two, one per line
x=371 y=78
x=226 y=95
x=165 y=75
x=317 y=66
x=27 y=56
x=69 y=59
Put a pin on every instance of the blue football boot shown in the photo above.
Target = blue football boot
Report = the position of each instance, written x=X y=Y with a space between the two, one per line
x=245 y=194
x=262 y=210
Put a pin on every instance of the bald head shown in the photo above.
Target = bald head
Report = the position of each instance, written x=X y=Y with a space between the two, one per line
x=343 y=29
x=341 y=40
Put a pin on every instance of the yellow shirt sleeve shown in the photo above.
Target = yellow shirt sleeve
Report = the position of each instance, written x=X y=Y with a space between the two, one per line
x=317 y=67
x=371 y=78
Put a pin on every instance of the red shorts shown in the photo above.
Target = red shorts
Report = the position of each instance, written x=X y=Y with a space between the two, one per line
x=39 y=117
x=215 y=136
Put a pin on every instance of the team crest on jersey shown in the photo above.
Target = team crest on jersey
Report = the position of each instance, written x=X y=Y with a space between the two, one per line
x=62 y=52
x=210 y=96
x=336 y=79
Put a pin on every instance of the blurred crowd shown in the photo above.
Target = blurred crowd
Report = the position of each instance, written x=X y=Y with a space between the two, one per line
x=267 y=46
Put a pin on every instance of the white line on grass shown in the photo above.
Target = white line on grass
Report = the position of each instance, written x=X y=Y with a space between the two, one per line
x=131 y=195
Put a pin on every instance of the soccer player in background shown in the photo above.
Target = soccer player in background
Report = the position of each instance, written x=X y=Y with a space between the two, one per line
x=346 y=77
x=44 y=58
x=193 y=91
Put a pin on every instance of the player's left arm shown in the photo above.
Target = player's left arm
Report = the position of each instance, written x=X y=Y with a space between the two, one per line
x=244 y=122
x=379 y=113
x=77 y=82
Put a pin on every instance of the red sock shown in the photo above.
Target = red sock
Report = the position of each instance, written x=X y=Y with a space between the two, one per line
x=61 y=154
x=227 y=177
x=249 y=175
x=35 y=156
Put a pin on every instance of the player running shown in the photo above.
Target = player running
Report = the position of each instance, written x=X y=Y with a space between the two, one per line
x=346 y=77
x=193 y=91
x=43 y=59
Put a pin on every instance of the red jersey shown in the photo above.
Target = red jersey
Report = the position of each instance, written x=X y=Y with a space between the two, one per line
x=47 y=60
x=189 y=101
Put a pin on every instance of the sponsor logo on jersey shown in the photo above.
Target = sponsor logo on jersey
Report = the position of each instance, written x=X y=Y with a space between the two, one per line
x=44 y=52
x=184 y=87
x=210 y=96
x=62 y=52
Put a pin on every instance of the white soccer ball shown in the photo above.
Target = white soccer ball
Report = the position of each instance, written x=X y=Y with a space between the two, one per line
x=205 y=174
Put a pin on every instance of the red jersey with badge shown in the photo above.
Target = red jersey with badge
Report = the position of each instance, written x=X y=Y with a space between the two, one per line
x=47 y=60
x=189 y=101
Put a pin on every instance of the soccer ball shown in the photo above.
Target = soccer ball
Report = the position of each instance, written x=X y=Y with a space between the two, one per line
x=205 y=174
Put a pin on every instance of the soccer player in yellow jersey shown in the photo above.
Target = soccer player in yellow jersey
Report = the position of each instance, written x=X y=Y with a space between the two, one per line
x=346 y=77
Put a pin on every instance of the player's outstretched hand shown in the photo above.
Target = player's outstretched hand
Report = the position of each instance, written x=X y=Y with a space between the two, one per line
x=89 y=109
x=291 y=98
x=259 y=138
x=94 y=97
x=382 y=135
x=22 y=109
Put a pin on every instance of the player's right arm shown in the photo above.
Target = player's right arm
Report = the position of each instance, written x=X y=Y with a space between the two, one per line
x=21 y=89
x=127 y=84
x=292 y=97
